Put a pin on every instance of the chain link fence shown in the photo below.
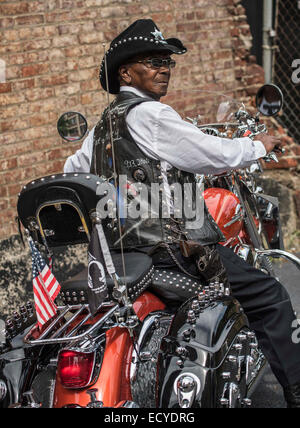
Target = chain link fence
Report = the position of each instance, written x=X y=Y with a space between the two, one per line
x=286 y=72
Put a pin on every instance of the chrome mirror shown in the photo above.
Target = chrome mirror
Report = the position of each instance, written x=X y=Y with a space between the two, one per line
x=72 y=126
x=269 y=100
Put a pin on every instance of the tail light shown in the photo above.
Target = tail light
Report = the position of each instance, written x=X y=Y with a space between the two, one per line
x=75 y=369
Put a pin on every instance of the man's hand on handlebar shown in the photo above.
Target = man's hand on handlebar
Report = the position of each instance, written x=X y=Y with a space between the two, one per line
x=271 y=143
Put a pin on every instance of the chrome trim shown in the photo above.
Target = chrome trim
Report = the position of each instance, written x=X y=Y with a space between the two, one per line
x=279 y=253
x=70 y=337
x=61 y=202
x=3 y=390
x=148 y=323
x=186 y=387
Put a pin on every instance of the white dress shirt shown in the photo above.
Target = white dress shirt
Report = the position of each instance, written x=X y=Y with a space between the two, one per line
x=162 y=134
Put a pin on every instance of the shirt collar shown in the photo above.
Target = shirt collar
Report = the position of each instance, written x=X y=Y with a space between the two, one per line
x=133 y=90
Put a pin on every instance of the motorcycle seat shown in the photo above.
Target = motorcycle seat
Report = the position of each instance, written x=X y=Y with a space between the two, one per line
x=173 y=285
x=139 y=273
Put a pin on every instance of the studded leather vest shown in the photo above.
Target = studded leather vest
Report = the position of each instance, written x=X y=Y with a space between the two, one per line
x=148 y=213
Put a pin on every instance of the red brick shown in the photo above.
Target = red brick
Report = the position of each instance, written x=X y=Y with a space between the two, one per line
x=54 y=80
x=6 y=22
x=6 y=164
x=284 y=163
x=30 y=159
x=3 y=191
x=29 y=19
x=34 y=70
x=296 y=150
x=5 y=87
x=14 y=8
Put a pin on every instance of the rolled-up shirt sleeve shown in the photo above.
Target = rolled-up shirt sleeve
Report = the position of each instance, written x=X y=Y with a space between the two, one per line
x=162 y=134
x=81 y=160
x=196 y=152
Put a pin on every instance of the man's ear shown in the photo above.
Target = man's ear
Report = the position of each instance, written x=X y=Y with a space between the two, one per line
x=124 y=74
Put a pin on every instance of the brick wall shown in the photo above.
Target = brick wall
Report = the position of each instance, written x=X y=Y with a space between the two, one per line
x=52 y=50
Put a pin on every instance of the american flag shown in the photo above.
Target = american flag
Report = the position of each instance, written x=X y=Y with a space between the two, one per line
x=45 y=287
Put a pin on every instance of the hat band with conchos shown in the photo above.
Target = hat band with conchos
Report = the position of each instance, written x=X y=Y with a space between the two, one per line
x=140 y=37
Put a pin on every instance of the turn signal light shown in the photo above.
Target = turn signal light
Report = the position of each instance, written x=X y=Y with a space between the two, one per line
x=75 y=369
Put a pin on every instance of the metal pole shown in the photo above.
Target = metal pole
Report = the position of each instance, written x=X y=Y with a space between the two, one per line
x=267 y=39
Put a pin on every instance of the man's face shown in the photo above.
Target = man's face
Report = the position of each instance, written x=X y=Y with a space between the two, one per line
x=153 y=81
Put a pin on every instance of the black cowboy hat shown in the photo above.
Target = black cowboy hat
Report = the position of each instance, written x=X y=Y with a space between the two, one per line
x=140 y=37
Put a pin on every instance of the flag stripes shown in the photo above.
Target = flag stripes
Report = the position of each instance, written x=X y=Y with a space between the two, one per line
x=45 y=287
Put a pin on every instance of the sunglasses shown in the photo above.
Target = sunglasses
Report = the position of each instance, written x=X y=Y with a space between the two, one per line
x=157 y=62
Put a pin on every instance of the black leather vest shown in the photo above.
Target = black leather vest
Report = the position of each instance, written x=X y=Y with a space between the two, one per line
x=158 y=223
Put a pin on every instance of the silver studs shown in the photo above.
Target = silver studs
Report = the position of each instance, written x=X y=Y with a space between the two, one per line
x=242 y=337
x=226 y=375
x=238 y=346
x=224 y=402
x=232 y=358
x=179 y=363
x=247 y=402
x=253 y=345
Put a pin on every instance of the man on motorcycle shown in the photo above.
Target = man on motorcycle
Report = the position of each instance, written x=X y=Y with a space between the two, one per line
x=154 y=145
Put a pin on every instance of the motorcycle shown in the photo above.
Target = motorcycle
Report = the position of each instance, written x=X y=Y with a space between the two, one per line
x=134 y=351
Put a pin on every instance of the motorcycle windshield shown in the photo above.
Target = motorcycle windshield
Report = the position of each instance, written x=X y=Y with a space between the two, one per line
x=208 y=107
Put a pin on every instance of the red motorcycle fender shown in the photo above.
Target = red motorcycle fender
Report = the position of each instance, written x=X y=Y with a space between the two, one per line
x=147 y=303
x=113 y=383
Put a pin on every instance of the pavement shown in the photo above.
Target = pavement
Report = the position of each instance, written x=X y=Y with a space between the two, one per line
x=269 y=392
